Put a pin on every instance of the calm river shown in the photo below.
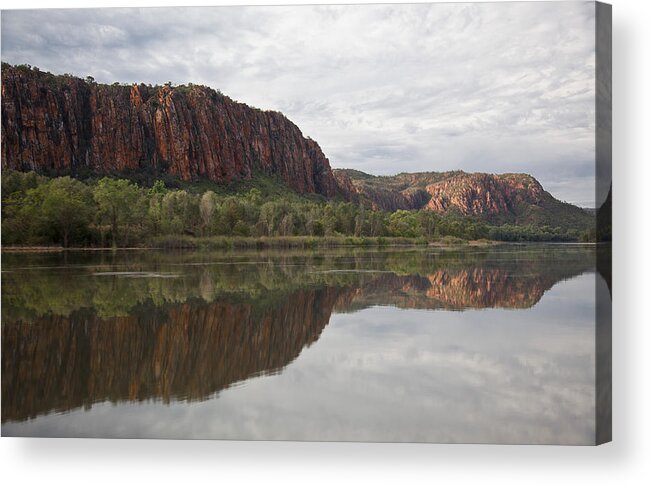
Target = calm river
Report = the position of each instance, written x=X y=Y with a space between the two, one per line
x=421 y=345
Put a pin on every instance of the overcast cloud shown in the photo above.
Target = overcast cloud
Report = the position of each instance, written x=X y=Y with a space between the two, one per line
x=501 y=87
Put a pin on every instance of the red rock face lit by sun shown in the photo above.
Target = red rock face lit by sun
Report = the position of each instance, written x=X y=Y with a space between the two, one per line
x=64 y=124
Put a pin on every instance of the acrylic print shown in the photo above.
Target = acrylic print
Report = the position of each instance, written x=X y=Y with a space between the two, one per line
x=333 y=223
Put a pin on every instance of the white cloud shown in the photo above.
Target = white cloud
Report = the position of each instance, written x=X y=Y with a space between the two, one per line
x=384 y=88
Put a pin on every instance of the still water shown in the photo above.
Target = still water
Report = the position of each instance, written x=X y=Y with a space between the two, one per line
x=476 y=345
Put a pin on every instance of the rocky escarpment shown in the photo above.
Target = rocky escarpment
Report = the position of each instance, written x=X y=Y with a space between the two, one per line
x=498 y=198
x=63 y=124
x=481 y=193
x=405 y=191
x=504 y=198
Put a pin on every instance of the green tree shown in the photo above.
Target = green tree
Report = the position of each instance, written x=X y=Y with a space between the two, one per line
x=313 y=224
x=287 y=225
x=329 y=221
x=158 y=188
x=68 y=205
x=360 y=222
x=230 y=214
x=266 y=220
x=254 y=196
x=155 y=212
x=22 y=218
x=207 y=206
x=404 y=223
x=241 y=228
x=180 y=211
x=117 y=201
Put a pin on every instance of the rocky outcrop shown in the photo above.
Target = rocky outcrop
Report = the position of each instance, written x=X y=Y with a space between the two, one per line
x=345 y=186
x=481 y=193
x=496 y=198
x=405 y=191
x=468 y=193
x=63 y=124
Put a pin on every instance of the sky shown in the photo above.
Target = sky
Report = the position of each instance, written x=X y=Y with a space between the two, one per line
x=481 y=87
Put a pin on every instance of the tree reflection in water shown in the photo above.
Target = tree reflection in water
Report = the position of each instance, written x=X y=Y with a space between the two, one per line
x=184 y=326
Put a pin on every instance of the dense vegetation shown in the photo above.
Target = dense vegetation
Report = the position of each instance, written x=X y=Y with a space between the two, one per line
x=37 y=210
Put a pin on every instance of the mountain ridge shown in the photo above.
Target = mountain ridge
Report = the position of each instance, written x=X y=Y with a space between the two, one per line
x=64 y=125
x=497 y=198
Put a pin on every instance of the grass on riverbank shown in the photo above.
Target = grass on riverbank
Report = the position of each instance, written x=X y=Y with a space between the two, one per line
x=289 y=242
x=299 y=242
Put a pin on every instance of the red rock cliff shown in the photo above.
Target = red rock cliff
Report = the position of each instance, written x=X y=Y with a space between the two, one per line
x=497 y=198
x=481 y=193
x=63 y=124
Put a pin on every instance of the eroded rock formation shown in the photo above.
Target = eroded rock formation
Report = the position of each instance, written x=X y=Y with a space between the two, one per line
x=481 y=193
x=497 y=198
x=63 y=124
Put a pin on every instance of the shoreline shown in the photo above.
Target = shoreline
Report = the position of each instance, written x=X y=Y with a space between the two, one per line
x=268 y=244
x=298 y=242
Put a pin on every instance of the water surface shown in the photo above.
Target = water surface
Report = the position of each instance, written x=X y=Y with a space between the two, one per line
x=476 y=345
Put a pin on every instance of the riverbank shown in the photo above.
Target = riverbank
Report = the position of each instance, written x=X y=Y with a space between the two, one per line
x=290 y=242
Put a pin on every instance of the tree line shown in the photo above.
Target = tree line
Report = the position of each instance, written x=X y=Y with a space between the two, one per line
x=38 y=210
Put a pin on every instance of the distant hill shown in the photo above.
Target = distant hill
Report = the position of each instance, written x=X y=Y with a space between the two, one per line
x=494 y=198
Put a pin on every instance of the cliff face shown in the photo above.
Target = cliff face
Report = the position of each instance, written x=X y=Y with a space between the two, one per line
x=468 y=193
x=480 y=193
x=499 y=198
x=505 y=198
x=63 y=124
x=405 y=191
x=392 y=200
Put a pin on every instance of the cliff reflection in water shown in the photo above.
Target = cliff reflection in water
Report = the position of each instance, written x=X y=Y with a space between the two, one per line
x=168 y=327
